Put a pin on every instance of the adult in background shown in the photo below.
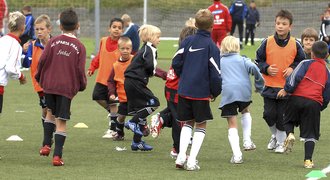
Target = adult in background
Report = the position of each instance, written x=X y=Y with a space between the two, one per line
x=238 y=10
x=221 y=21
x=252 y=21
x=3 y=14
x=131 y=32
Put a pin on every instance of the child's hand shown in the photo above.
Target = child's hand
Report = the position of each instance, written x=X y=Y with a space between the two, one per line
x=22 y=80
x=281 y=93
x=112 y=97
x=272 y=70
x=90 y=73
x=26 y=46
x=287 y=72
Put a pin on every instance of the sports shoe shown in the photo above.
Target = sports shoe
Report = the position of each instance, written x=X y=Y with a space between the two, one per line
x=289 y=141
x=179 y=162
x=156 y=125
x=236 y=160
x=308 y=164
x=118 y=137
x=45 y=150
x=192 y=167
x=142 y=146
x=272 y=143
x=280 y=148
x=249 y=147
x=109 y=134
x=133 y=127
x=57 y=161
x=173 y=153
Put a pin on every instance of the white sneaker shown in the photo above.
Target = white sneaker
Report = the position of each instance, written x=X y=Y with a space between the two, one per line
x=179 y=162
x=109 y=134
x=236 y=160
x=173 y=153
x=272 y=143
x=249 y=146
x=279 y=148
x=289 y=141
x=192 y=167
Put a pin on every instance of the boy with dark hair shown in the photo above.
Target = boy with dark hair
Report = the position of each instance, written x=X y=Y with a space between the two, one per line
x=197 y=64
x=277 y=56
x=308 y=37
x=107 y=55
x=61 y=74
x=29 y=25
x=309 y=89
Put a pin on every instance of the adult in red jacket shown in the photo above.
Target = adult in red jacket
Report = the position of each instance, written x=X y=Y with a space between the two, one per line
x=222 y=21
x=3 y=14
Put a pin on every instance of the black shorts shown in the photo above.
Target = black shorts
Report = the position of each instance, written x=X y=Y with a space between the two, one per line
x=101 y=92
x=139 y=96
x=229 y=110
x=304 y=113
x=122 y=109
x=42 y=99
x=59 y=105
x=189 y=109
x=273 y=112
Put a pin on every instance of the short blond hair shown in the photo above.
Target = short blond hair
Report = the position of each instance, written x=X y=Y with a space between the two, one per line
x=190 y=22
x=124 y=40
x=229 y=44
x=126 y=18
x=204 y=19
x=16 y=21
x=148 y=32
x=43 y=18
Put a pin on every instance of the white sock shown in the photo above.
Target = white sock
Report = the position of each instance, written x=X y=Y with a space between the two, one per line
x=280 y=136
x=273 y=130
x=198 y=139
x=246 y=121
x=234 y=142
x=185 y=136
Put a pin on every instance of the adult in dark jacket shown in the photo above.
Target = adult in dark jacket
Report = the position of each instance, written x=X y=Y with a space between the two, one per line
x=238 y=11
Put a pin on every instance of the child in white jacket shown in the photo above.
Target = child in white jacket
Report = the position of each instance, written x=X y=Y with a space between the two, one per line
x=10 y=52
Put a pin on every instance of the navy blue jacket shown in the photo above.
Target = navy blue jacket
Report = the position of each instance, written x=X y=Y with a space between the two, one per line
x=238 y=10
x=252 y=16
x=29 y=26
x=132 y=33
x=197 y=64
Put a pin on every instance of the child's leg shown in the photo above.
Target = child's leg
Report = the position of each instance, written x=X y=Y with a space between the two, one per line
x=49 y=128
x=60 y=136
x=198 y=139
x=280 y=131
x=113 y=116
x=309 y=148
x=1 y=100
x=120 y=125
x=247 y=34
x=246 y=121
x=252 y=34
x=176 y=126
x=185 y=136
x=233 y=137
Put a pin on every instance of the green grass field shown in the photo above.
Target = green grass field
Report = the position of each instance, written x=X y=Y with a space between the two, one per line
x=88 y=156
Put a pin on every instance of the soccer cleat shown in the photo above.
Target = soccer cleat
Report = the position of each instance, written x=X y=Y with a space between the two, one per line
x=308 y=164
x=173 y=153
x=109 y=134
x=57 y=161
x=179 y=162
x=192 y=167
x=249 y=147
x=280 y=148
x=133 y=127
x=142 y=146
x=272 y=143
x=289 y=141
x=156 y=125
x=118 y=137
x=45 y=150
x=236 y=160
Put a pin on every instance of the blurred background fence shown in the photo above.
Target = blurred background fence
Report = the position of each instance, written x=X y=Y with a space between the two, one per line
x=169 y=15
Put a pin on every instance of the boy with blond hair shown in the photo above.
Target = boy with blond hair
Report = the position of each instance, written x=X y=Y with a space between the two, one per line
x=277 y=56
x=197 y=64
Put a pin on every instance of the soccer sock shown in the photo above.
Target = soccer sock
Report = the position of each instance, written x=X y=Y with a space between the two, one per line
x=59 y=143
x=246 y=121
x=273 y=130
x=143 y=128
x=49 y=127
x=185 y=136
x=142 y=114
x=198 y=138
x=113 y=121
x=120 y=128
x=309 y=148
x=234 y=141
x=280 y=136
x=137 y=138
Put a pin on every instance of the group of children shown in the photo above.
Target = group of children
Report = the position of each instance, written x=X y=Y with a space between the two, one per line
x=288 y=84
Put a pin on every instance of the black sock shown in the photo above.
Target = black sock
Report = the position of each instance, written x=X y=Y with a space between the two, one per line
x=137 y=138
x=120 y=129
x=48 y=133
x=59 y=143
x=309 y=149
x=142 y=114
x=113 y=121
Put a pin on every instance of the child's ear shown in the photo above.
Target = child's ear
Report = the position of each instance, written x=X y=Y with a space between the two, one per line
x=78 y=26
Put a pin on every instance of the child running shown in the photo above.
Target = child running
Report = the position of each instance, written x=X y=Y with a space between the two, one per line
x=141 y=101
x=107 y=55
x=116 y=84
x=196 y=63
x=10 y=53
x=277 y=56
x=67 y=55
x=309 y=90
x=236 y=94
